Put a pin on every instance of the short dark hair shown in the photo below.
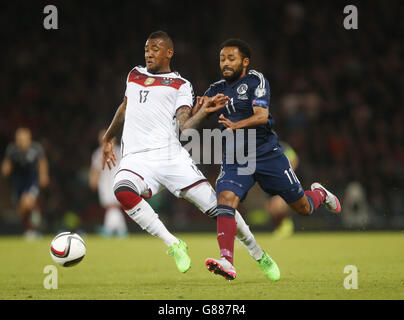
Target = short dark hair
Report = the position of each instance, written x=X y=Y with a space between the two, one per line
x=162 y=35
x=242 y=46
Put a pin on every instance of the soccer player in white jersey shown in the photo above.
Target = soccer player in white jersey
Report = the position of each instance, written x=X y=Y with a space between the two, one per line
x=155 y=102
x=103 y=181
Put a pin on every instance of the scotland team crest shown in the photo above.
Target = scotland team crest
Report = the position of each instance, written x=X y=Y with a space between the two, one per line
x=242 y=89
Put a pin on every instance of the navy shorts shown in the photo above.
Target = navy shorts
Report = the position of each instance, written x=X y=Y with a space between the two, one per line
x=274 y=175
x=21 y=186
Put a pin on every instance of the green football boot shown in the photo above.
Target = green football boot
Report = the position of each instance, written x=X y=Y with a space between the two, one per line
x=180 y=253
x=269 y=267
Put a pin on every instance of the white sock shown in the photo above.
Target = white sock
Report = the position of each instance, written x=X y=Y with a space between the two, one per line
x=157 y=228
x=245 y=236
x=144 y=215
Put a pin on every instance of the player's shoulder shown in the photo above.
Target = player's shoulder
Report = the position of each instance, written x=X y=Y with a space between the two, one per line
x=139 y=68
x=172 y=74
x=216 y=86
x=36 y=146
x=256 y=78
x=11 y=149
x=175 y=80
x=135 y=71
x=181 y=78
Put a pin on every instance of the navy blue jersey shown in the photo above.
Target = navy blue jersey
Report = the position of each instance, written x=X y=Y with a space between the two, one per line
x=25 y=166
x=250 y=91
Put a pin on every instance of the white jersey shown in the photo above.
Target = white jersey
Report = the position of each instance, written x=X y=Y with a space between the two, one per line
x=106 y=178
x=152 y=102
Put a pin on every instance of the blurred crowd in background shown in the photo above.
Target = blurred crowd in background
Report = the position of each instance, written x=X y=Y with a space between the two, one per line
x=336 y=96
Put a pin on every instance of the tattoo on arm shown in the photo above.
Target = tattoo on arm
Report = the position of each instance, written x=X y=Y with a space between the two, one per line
x=183 y=115
x=186 y=120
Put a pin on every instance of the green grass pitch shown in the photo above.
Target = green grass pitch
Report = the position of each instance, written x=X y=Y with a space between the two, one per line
x=312 y=267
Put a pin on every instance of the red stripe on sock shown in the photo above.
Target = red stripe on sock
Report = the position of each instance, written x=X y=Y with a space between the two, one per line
x=226 y=233
x=128 y=199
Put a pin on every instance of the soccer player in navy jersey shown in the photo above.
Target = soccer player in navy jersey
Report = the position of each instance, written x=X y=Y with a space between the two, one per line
x=248 y=109
x=26 y=165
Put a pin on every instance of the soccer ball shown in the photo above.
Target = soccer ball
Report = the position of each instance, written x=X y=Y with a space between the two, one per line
x=67 y=249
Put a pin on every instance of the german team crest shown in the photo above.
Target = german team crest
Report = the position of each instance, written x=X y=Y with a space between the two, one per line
x=167 y=81
x=149 y=81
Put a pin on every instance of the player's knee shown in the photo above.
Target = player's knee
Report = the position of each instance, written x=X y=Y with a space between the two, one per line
x=204 y=197
x=227 y=198
x=27 y=203
x=127 y=196
x=127 y=189
x=23 y=208
x=276 y=206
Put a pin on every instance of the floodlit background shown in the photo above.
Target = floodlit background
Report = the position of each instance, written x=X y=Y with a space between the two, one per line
x=336 y=96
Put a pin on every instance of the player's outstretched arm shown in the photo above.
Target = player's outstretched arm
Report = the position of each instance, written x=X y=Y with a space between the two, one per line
x=259 y=117
x=6 y=167
x=204 y=105
x=43 y=169
x=117 y=122
x=188 y=118
x=116 y=126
